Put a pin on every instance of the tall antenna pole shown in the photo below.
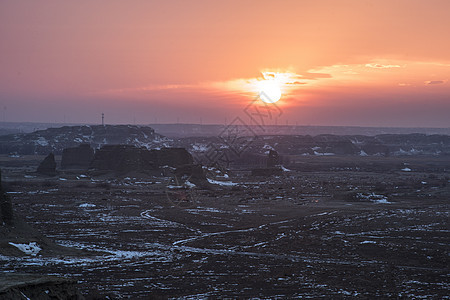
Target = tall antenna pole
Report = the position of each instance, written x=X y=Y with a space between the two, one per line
x=103 y=119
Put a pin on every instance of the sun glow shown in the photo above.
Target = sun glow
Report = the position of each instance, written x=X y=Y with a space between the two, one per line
x=269 y=91
x=269 y=87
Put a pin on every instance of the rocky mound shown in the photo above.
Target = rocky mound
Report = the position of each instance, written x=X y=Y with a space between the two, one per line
x=273 y=159
x=47 y=166
x=55 y=140
x=194 y=173
x=30 y=286
x=17 y=238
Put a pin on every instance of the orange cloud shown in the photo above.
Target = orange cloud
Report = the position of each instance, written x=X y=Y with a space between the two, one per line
x=380 y=66
x=432 y=82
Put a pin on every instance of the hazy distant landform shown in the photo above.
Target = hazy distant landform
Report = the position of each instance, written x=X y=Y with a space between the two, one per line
x=198 y=139
x=192 y=130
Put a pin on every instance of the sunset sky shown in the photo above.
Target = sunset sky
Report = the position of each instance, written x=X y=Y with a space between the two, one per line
x=355 y=62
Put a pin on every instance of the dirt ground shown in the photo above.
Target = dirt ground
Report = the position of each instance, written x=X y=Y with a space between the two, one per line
x=331 y=227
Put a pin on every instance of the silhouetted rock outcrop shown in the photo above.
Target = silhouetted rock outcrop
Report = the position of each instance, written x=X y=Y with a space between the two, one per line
x=125 y=158
x=77 y=158
x=14 y=230
x=34 y=286
x=193 y=173
x=272 y=159
x=173 y=157
x=6 y=211
x=48 y=166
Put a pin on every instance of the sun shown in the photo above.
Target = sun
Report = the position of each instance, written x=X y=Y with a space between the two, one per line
x=269 y=91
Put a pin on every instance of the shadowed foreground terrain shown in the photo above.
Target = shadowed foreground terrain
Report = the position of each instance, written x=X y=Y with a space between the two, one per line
x=341 y=232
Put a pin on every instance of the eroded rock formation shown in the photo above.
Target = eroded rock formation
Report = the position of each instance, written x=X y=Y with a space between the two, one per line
x=125 y=158
x=273 y=159
x=47 y=166
x=194 y=173
x=77 y=158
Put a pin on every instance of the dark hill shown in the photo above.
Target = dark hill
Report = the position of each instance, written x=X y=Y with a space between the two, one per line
x=57 y=139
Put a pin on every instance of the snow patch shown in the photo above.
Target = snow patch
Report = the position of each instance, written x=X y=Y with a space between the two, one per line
x=375 y=198
x=42 y=141
x=199 y=148
x=87 y=205
x=323 y=154
x=31 y=249
x=362 y=153
x=190 y=184
x=368 y=242
x=222 y=183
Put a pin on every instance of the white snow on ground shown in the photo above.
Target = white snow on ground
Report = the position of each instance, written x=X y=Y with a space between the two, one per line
x=325 y=213
x=186 y=184
x=375 y=198
x=42 y=141
x=412 y=151
x=190 y=184
x=225 y=176
x=268 y=148
x=31 y=249
x=381 y=201
x=205 y=209
x=323 y=154
x=368 y=242
x=174 y=186
x=87 y=205
x=199 y=148
x=362 y=153
x=222 y=183
x=356 y=142
x=285 y=169
x=162 y=222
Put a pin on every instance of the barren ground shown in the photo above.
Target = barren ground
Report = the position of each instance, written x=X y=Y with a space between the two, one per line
x=341 y=232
